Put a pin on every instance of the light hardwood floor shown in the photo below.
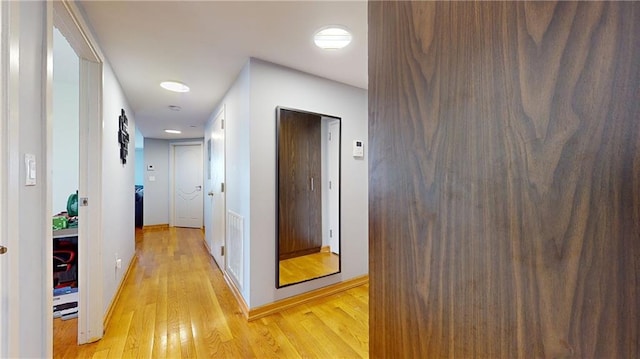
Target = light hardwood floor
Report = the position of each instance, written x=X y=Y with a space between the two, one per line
x=176 y=304
x=298 y=269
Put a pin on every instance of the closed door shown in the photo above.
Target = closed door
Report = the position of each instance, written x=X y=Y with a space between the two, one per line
x=333 y=167
x=187 y=169
x=299 y=184
x=217 y=194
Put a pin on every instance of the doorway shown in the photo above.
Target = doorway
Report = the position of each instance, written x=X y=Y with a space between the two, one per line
x=187 y=198
x=65 y=178
x=64 y=16
x=333 y=186
x=216 y=167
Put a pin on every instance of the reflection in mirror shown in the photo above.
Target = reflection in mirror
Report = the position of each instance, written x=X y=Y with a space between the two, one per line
x=308 y=191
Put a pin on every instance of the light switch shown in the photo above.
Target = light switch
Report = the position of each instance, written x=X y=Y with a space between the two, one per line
x=152 y=178
x=358 y=149
x=30 y=169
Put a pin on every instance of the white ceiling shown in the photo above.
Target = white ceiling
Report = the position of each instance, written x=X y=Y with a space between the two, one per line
x=205 y=45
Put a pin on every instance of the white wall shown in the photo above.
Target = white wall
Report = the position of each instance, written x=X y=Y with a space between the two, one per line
x=237 y=142
x=156 y=192
x=118 y=198
x=250 y=106
x=140 y=169
x=272 y=86
x=139 y=149
x=66 y=134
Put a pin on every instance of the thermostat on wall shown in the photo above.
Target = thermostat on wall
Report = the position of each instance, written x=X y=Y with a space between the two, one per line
x=358 y=148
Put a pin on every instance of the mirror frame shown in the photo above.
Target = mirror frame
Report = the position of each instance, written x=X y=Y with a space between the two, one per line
x=277 y=197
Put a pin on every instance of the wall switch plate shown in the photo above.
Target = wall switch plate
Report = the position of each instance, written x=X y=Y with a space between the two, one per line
x=30 y=169
x=358 y=148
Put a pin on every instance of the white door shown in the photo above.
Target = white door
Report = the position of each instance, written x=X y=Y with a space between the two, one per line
x=187 y=174
x=334 y=187
x=3 y=261
x=217 y=193
x=9 y=232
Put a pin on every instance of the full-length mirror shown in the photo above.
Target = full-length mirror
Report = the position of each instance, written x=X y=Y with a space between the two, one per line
x=308 y=196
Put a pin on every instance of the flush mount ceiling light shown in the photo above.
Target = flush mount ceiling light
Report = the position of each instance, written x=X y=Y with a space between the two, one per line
x=174 y=86
x=332 y=38
x=173 y=131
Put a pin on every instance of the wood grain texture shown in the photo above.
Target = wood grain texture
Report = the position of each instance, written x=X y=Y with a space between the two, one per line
x=301 y=268
x=504 y=179
x=310 y=297
x=299 y=202
x=176 y=304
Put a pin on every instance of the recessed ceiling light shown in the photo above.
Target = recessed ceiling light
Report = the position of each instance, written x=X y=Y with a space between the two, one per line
x=175 y=108
x=173 y=131
x=332 y=38
x=174 y=86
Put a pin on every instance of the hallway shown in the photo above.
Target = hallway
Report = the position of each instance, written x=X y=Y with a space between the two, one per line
x=176 y=304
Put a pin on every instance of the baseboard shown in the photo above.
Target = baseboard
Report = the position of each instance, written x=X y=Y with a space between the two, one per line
x=206 y=245
x=268 y=309
x=107 y=316
x=236 y=293
x=155 y=227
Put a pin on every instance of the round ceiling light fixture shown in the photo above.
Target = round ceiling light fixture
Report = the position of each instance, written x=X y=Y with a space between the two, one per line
x=332 y=37
x=174 y=86
x=173 y=131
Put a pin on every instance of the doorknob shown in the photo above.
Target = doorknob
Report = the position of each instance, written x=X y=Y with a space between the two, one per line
x=199 y=188
x=210 y=193
x=3 y=249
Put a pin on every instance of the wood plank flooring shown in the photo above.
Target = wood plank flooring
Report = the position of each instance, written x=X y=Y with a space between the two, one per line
x=298 y=269
x=175 y=304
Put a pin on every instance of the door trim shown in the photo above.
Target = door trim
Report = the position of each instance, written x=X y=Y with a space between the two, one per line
x=68 y=19
x=222 y=262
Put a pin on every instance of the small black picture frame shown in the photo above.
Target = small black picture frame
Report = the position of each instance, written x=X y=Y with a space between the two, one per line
x=123 y=136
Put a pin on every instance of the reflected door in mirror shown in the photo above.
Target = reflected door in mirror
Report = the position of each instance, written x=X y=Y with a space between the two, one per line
x=308 y=213
x=300 y=184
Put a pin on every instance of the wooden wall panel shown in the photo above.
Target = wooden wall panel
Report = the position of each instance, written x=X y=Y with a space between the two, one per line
x=504 y=179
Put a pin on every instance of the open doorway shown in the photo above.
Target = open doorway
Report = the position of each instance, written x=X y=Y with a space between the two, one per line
x=85 y=185
x=139 y=180
x=65 y=184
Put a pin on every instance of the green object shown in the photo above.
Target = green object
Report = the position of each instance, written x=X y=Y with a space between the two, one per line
x=59 y=223
x=72 y=205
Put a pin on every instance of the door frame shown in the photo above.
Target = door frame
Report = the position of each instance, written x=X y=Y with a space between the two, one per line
x=9 y=180
x=218 y=120
x=172 y=190
x=66 y=16
x=334 y=192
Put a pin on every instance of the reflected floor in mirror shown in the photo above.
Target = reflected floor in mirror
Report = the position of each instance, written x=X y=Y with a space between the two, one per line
x=298 y=269
x=176 y=304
